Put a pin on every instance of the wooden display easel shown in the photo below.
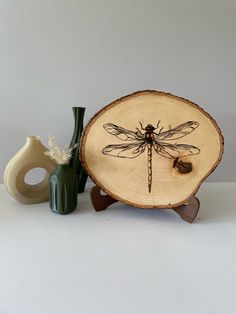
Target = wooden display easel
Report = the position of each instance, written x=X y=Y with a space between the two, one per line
x=188 y=212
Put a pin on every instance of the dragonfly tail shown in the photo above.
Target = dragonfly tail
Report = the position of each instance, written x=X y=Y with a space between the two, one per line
x=149 y=168
x=149 y=188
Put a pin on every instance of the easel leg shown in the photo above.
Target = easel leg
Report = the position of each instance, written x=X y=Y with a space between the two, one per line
x=99 y=201
x=189 y=211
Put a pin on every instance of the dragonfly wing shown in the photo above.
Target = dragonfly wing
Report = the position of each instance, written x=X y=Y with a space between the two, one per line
x=173 y=151
x=125 y=150
x=123 y=134
x=177 y=132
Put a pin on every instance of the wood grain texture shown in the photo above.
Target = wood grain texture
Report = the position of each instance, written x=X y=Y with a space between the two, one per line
x=126 y=179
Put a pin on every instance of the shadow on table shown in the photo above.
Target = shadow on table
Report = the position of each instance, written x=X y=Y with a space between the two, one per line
x=127 y=212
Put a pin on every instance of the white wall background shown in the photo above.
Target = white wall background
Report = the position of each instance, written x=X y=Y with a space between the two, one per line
x=59 y=53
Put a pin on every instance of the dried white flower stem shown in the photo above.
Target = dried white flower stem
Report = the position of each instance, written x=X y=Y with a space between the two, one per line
x=55 y=152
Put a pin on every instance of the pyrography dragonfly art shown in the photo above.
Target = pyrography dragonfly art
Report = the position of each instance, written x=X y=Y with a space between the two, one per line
x=152 y=140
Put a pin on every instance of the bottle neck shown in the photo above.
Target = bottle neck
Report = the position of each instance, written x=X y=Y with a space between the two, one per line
x=33 y=140
x=79 y=117
x=63 y=166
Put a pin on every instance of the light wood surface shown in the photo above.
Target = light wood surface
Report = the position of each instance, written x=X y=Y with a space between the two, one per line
x=127 y=179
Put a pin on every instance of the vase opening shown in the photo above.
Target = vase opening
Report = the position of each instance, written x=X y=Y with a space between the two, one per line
x=33 y=138
x=80 y=108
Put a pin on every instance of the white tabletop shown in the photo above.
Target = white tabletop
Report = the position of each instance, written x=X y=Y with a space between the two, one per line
x=123 y=260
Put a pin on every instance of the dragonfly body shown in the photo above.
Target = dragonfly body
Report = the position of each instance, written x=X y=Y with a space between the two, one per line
x=138 y=142
x=149 y=137
x=149 y=134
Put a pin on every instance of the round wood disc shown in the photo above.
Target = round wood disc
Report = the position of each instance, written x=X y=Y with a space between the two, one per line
x=151 y=149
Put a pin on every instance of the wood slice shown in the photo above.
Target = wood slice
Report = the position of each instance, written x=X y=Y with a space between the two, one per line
x=151 y=149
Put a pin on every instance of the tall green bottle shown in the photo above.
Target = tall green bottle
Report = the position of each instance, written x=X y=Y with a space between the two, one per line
x=75 y=159
x=63 y=184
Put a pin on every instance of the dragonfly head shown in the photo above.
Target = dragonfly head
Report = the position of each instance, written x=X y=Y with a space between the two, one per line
x=150 y=128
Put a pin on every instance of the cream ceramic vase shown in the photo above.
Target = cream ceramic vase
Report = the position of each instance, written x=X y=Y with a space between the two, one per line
x=30 y=156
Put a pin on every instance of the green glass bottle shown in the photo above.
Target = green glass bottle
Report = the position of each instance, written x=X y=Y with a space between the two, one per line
x=75 y=159
x=63 y=190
